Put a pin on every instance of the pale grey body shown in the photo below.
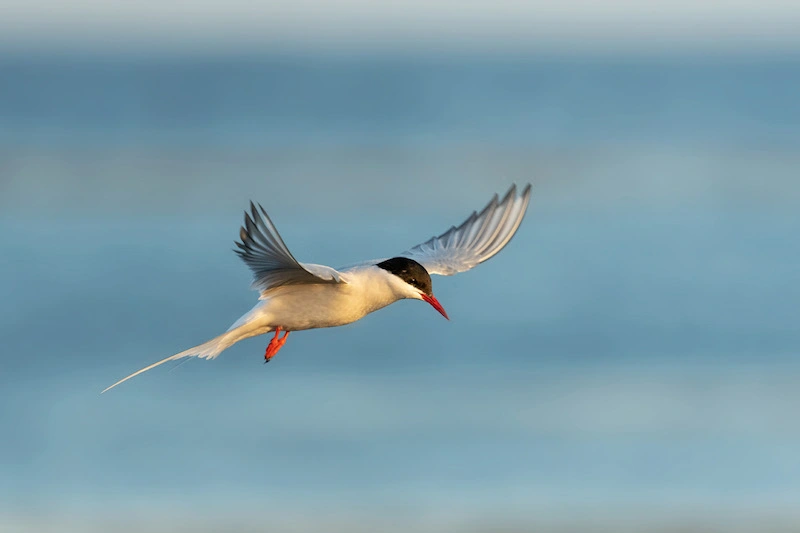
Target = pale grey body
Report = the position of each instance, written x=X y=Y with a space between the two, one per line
x=297 y=296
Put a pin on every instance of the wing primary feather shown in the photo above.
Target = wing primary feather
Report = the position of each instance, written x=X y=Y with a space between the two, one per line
x=263 y=250
x=482 y=235
x=502 y=211
x=510 y=224
x=485 y=217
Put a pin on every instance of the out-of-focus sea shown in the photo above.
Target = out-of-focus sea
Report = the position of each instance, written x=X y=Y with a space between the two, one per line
x=630 y=362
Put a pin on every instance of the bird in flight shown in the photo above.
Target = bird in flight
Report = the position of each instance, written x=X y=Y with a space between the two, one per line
x=295 y=296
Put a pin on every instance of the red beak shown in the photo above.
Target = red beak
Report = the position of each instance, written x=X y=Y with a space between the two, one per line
x=435 y=303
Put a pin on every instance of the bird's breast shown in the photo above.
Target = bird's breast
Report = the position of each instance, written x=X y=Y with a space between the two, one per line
x=300 y=307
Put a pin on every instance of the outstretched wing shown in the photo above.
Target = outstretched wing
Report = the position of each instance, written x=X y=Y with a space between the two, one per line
x=272 y=263
x=480 y=237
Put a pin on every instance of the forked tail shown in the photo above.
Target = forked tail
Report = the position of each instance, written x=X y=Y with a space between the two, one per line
x=207 y=350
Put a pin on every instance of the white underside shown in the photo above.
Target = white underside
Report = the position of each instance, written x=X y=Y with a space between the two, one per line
x=298 y=307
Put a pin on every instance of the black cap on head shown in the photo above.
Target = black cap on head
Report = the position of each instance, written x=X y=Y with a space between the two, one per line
x=409 y=271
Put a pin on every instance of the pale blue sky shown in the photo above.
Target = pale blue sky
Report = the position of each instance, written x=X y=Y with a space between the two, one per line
x=572 y=24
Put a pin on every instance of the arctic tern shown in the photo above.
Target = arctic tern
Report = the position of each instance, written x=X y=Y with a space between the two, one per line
x=295 y=296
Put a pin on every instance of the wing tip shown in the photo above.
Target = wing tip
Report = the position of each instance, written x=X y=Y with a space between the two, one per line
x=526 y=190
x=525 y=196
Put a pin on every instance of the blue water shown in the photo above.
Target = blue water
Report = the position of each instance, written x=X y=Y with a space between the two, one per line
x=288 y=98
x=630 y=360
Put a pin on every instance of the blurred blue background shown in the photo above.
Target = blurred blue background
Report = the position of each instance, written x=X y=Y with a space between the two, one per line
x=628 y=363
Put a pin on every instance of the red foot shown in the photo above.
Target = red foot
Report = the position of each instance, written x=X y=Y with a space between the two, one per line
x=275 y=344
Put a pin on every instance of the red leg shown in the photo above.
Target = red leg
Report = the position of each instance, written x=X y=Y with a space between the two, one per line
x=275 y=344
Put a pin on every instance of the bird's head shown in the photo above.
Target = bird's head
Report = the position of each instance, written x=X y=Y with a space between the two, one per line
x=416 y=282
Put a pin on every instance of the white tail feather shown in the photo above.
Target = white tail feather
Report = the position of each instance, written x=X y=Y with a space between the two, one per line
x=207 y=350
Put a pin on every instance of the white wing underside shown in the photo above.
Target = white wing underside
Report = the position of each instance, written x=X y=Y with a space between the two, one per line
x=273 y=265
x=477 y=239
